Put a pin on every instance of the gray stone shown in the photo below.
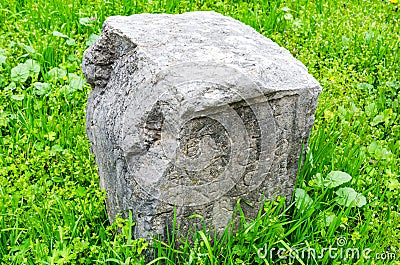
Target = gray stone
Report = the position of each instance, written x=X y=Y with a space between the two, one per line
x=193 y=112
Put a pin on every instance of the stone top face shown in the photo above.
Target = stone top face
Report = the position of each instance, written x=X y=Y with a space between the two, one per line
x=208 y=36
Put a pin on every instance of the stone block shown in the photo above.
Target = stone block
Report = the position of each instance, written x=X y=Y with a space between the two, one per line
x=192 y=112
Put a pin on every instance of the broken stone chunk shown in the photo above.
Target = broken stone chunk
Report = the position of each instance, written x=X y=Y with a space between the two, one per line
x=190 y=113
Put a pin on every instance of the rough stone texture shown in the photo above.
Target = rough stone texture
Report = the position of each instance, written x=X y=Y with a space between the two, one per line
x=193 y=112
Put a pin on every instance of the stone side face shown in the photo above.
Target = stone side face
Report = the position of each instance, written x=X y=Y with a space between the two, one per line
x=192 y=112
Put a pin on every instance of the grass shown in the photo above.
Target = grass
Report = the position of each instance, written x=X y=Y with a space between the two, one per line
x=51 y=208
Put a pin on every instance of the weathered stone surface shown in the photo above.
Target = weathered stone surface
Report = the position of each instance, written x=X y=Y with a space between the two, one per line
x=193 y=111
